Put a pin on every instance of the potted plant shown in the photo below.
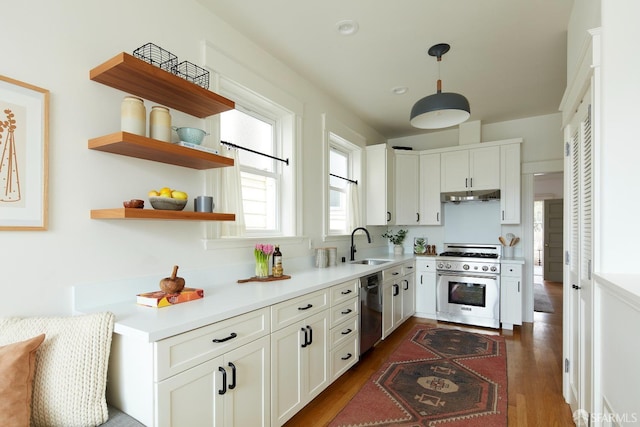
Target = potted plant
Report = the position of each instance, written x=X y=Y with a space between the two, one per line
x=396 y=239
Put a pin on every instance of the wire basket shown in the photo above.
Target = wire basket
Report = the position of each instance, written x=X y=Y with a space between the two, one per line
x=191 y=72
x=157 y=56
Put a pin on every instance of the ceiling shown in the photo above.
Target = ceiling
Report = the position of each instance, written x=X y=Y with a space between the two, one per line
x=508 y=57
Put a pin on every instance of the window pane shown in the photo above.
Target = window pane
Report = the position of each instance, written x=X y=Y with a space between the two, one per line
x=337 y=211
x=247 y=131
x=259 y=201
x=338 y=165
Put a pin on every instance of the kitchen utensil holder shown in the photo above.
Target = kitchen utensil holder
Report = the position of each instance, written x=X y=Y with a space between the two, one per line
x=191 y=72
x=157 y=56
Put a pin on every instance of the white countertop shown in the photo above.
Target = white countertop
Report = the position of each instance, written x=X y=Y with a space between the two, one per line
x=221 y=300
x=514 y=260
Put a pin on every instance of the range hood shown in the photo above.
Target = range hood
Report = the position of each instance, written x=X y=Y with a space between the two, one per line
x=470 y=196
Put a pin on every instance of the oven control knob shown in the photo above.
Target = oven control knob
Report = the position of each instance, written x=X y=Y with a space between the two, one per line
x=485 y=268
x=448 y=266
x=465 y=267
x=493 y=268
x=440 y=265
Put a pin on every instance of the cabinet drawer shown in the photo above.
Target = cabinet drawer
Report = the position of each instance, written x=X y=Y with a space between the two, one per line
x=408 y=268
x=344 y=291
x=344 y=357
x=295 y=309
x=180 y=352
x=426 y=264
x=341 y=312
x=391 y=273
x=344 y=332
x=511 y=270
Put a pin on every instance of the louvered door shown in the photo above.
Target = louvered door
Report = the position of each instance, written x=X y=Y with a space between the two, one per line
x=579 y=250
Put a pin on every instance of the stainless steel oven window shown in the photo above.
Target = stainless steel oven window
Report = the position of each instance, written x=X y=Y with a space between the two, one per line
x=466 y=293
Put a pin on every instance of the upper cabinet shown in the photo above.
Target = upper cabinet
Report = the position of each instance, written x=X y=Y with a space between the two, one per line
x=468 y=170
x=510 y=184
x=430 y=205
x=407 y=188
x=379 y=185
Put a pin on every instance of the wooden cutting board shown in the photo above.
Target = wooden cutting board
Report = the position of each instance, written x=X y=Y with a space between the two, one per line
x=264 y=279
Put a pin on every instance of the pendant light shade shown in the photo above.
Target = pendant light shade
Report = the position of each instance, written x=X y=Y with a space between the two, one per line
x=442 y=109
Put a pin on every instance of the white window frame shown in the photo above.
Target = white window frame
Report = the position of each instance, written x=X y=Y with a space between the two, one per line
x=347 y=141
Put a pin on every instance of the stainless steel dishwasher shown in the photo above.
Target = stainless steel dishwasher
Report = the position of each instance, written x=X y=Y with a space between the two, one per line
x=370 y=310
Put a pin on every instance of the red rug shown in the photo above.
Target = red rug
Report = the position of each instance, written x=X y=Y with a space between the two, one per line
x=436 y=377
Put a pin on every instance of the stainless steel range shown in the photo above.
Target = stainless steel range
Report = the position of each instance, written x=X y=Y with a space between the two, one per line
x=468 y=284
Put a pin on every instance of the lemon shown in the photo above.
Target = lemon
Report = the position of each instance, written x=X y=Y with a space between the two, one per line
x=153 y=193
x=181 y=195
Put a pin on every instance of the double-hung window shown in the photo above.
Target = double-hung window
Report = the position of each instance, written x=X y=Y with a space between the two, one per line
x=266 y=132
x=344 y=158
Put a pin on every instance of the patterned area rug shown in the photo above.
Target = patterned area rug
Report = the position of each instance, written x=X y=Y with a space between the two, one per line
x=436 y=377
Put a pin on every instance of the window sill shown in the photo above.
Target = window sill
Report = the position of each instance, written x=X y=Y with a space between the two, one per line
x=250 y=242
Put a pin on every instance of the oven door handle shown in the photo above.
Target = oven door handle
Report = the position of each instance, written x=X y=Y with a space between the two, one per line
x=464 y=276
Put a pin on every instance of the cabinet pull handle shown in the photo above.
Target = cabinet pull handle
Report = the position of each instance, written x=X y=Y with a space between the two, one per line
x=347 y=311
x=471 y=182
x=224 y=380
x=388 y=216
x=395 y=273
x=438 y=216
x=417 y=216
x=233 y=376
x=396 y=290
x=503 y=215
x=307 y=307
x=518 y=286
x=310 y=335
x=347 y=332
x=421 y=279
x=304 y=344
x=347 y=292
x=347 y=357
x=406 y=285
x=230 y=337
x=466 y=182
x=409 y=267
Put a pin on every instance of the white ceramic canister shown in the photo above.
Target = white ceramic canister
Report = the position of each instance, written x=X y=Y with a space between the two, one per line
x=160 y=123
x=133 y=116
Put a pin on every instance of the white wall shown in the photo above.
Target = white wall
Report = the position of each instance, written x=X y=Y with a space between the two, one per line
x=54 y=45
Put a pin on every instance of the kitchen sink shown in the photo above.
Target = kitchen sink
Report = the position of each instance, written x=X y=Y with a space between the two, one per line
x=371 y=261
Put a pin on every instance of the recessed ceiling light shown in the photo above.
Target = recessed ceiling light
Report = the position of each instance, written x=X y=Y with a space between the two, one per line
x=347 y=27
x=399 y=90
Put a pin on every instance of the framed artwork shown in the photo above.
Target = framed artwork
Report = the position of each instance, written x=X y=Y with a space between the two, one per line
x=24 y=155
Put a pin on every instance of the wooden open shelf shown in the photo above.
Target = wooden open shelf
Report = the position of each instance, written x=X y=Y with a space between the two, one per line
x=141 y=147
x=134 y=76
x=127 y=213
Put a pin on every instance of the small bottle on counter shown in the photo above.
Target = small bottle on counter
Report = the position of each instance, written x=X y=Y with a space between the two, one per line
x=276 y=269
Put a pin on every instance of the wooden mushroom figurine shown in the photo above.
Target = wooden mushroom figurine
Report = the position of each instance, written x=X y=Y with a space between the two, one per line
x=173 y=284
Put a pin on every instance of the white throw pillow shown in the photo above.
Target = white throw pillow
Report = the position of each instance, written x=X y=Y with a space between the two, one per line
x=71 y=367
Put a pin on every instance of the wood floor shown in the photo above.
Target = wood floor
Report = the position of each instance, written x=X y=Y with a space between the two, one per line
x=534 y=369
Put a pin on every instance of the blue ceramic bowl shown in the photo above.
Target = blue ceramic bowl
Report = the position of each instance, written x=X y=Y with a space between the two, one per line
x=191 y=135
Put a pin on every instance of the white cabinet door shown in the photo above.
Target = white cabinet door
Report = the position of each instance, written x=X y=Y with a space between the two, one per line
x=454 y=171
x=247 y=401
x=510 y=184
x=299 y=365
x=510 y=295
x=220 y=391
x=191 y=398
x=430 y=205
x=387 y=308
x=426 y=288
x=379 y=185
x=473 y=169
x=407 y=188
x=484 y=168
x=408 y=296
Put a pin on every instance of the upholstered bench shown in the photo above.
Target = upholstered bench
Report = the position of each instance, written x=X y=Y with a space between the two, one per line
x=53 y=372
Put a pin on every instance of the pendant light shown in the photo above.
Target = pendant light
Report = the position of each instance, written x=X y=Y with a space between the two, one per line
x=442 y=109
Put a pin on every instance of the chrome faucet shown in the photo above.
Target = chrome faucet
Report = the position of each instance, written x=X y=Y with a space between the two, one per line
x=353 y=246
